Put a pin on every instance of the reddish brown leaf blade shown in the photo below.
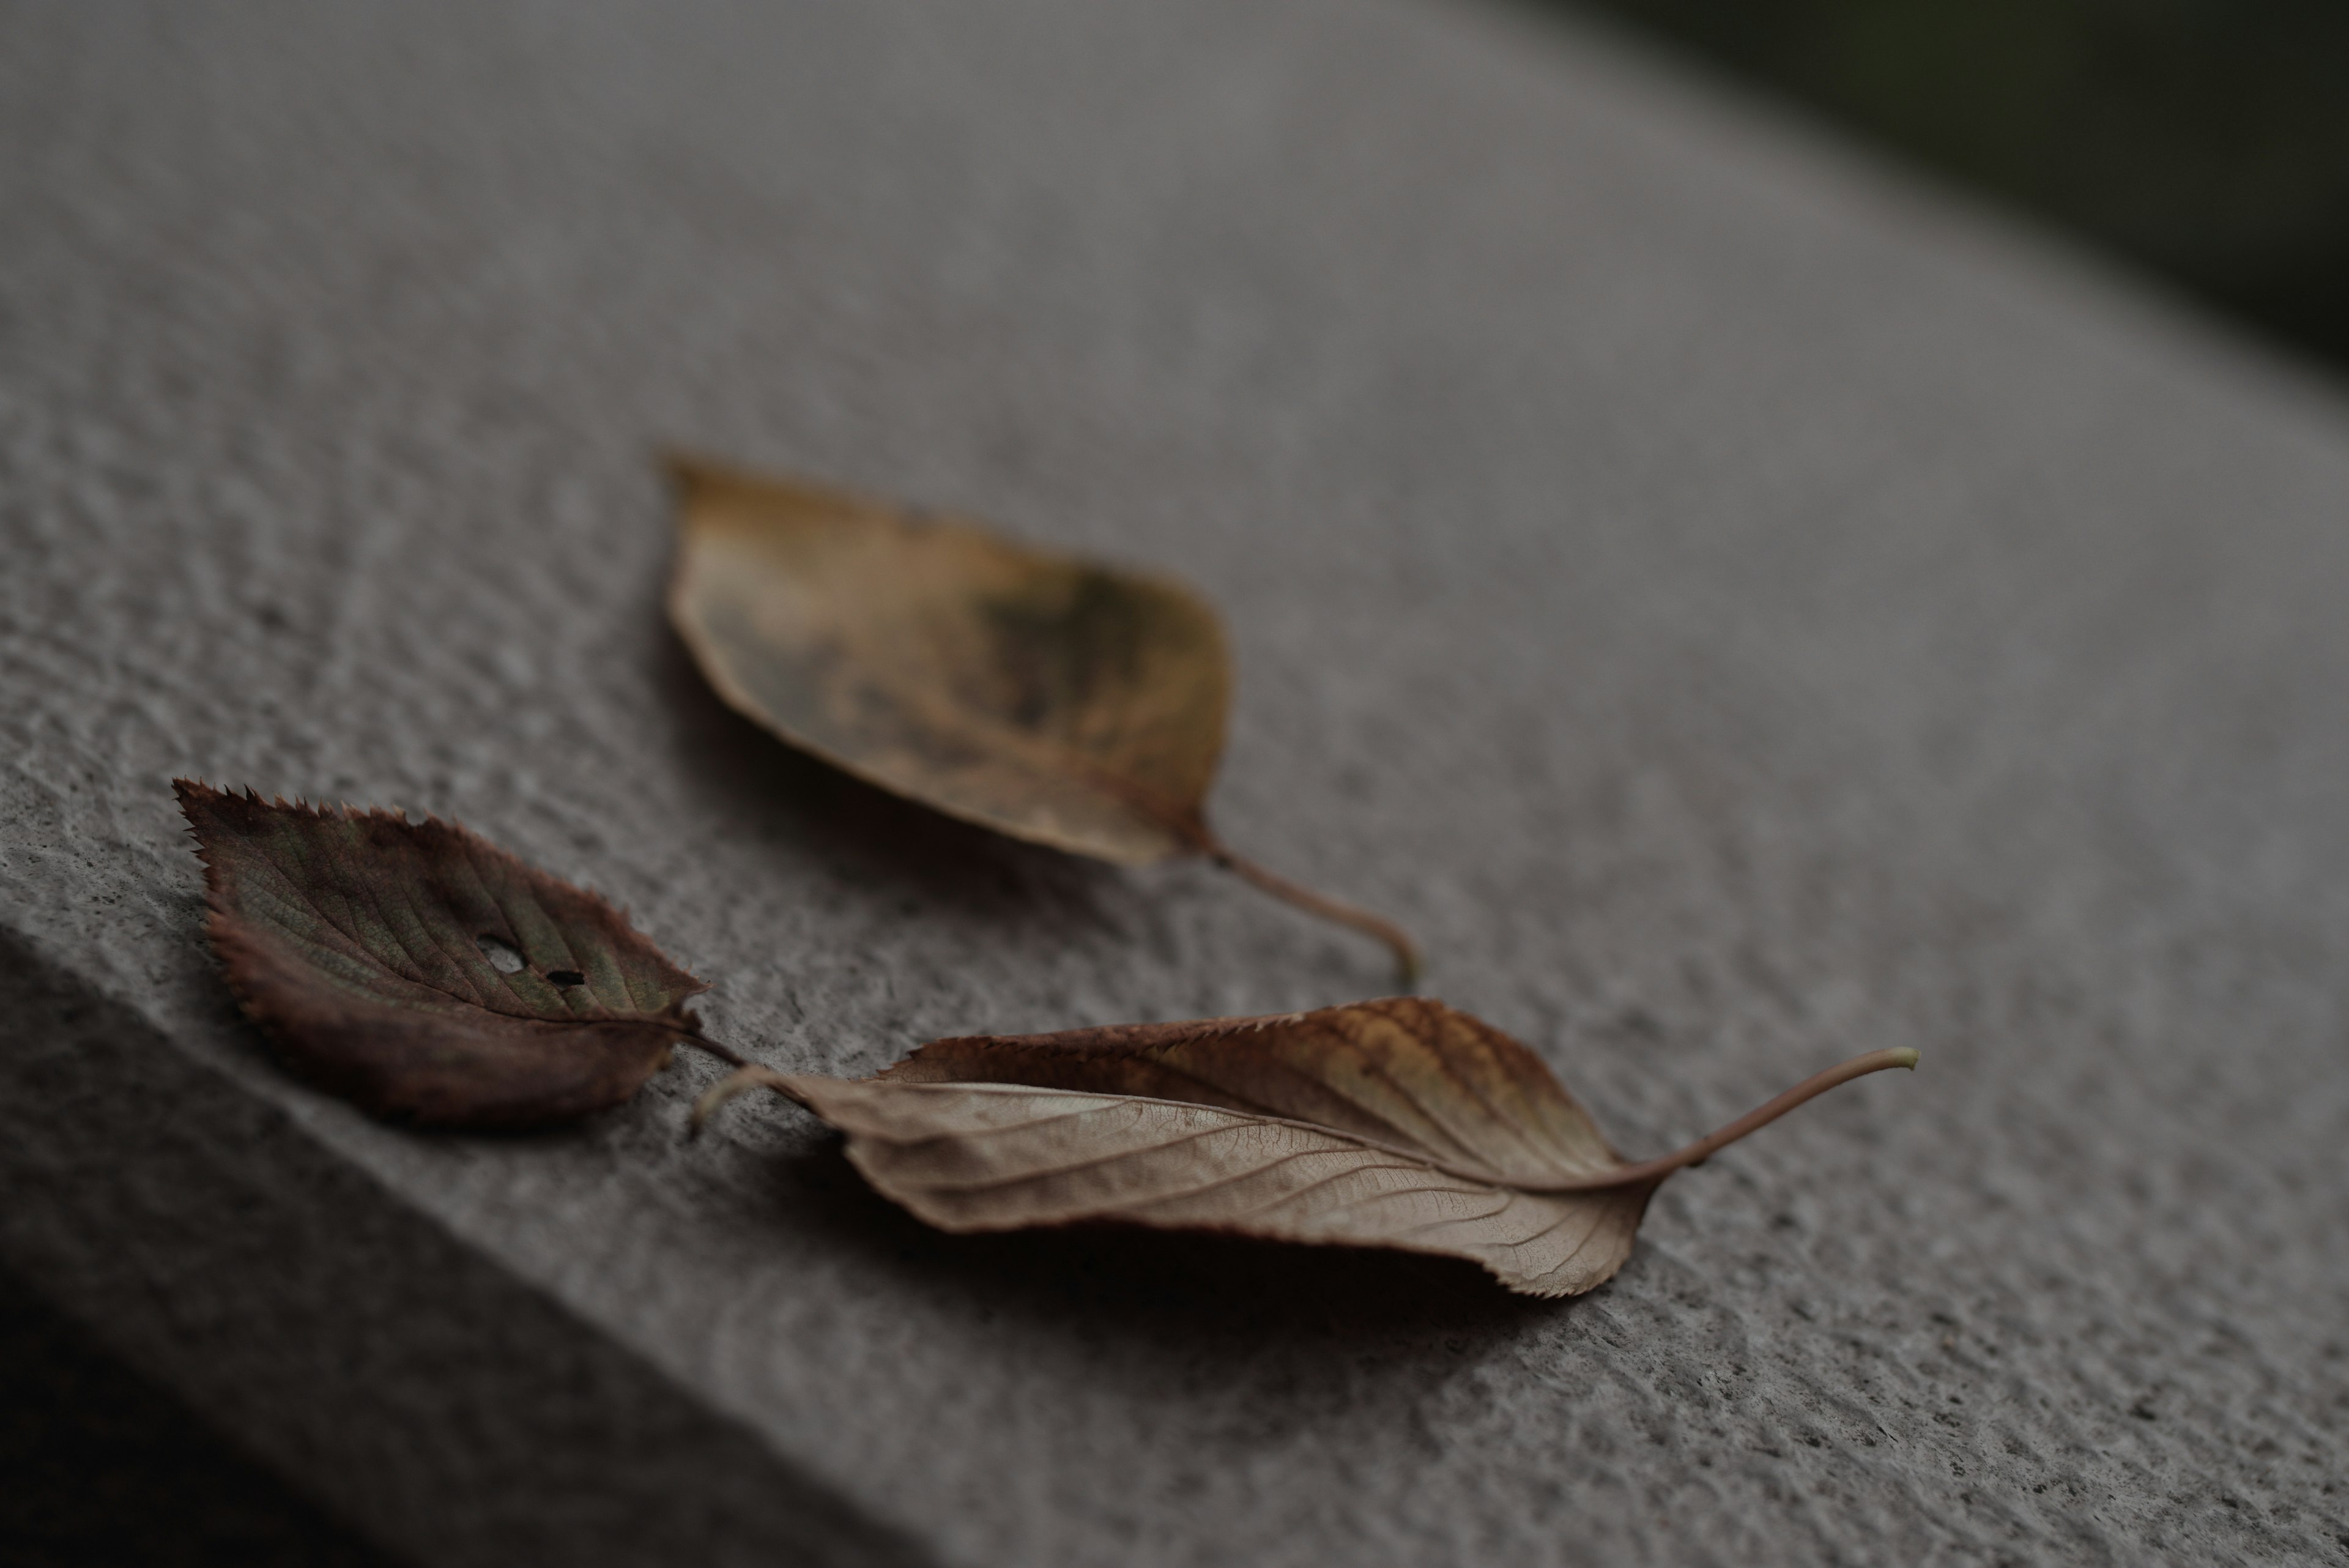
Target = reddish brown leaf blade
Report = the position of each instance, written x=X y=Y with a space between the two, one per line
x=425 y=975
x=1407 y=1072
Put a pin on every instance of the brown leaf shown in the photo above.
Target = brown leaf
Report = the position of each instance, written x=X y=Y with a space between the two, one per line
x=1045 y=697
x=1398 y=1124
x=425 y=975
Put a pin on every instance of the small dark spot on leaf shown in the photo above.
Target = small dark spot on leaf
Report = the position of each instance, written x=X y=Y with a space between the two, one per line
x=500 y=953
x=566 y=977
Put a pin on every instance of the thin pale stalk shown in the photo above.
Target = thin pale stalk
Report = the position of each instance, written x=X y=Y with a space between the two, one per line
x=1761 y=1116
x=746 y=1076
x=1186 y=824
x=1397 y=940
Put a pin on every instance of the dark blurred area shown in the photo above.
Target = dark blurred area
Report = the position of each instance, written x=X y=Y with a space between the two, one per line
x=98 y=1464
x=2204 y=141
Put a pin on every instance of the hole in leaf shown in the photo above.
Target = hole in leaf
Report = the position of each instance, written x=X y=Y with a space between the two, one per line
x=566 y=977
x=501 y=953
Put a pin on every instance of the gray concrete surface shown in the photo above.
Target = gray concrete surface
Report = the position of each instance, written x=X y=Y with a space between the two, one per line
x=1739 y=608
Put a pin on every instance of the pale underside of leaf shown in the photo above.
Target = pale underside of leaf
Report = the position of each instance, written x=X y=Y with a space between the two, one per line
x=1036 y=694
x=1399 y=1123
x=364 y=944
x=993 y=1156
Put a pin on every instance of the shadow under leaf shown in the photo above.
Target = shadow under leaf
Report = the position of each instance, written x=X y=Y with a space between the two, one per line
x=1181 y=1290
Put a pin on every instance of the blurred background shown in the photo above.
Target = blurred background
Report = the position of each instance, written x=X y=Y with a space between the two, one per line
x=2206 y=141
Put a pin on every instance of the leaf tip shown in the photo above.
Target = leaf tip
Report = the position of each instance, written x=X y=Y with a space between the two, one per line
x=192 y=796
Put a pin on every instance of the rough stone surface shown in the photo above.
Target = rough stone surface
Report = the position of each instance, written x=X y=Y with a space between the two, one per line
x=1739 y=610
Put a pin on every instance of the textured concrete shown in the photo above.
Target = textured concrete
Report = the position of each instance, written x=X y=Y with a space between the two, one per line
x=1738 y=609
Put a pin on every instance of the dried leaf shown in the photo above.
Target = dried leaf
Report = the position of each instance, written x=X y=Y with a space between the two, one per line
x=1044 y=697
x=1400 y=1123
x=426 y=974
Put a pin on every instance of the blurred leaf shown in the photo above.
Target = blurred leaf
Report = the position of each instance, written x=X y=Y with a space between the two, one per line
x=425 y=975
x=1398 y=1124
x=1044 y=697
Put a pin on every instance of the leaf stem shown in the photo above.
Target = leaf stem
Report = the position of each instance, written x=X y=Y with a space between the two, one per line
x=1398 y=940
x=746 y=1076
x=1761 y=1116
x=700 y=1041
x=1186 y=824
